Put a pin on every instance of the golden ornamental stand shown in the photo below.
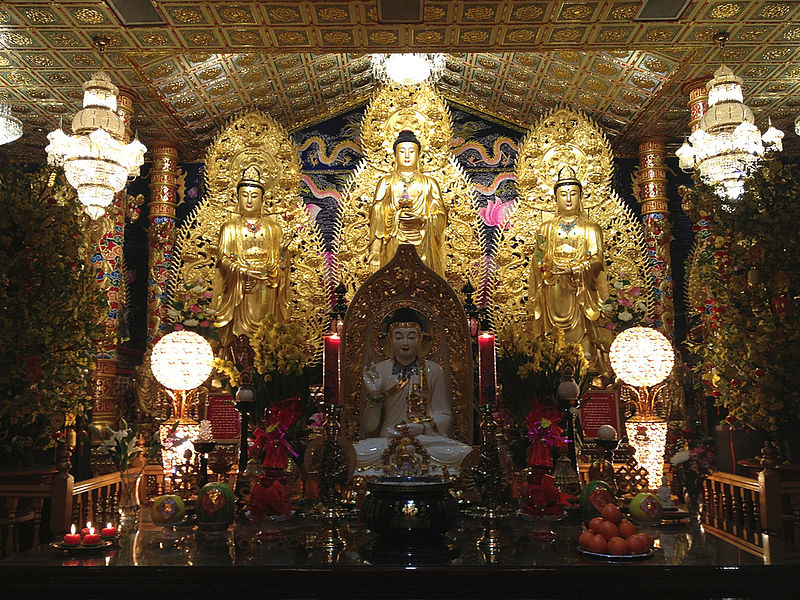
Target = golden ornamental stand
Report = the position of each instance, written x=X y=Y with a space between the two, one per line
x=333 y=479
x=488 y=478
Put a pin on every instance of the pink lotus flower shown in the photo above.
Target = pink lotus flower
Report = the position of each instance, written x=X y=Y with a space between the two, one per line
x=207 y=295
x=496 y=213
x=195 y=309
x=203 y=323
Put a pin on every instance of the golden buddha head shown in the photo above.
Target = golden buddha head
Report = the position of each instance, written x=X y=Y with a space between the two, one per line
x=250 y=192
x=568 y=192
x=406 y=149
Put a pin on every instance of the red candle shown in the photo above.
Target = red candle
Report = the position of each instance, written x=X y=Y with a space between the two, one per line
x=330 y=373
x=72 y=538
x=86 y=529
x=91 y=538
x=108 y=531
x=486 y=373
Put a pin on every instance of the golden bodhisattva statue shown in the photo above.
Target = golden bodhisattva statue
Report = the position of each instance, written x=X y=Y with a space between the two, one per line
x=567 y=284
x=408 y=209
x=251 y=279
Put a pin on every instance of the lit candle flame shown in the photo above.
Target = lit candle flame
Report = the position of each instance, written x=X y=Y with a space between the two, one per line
x=72 y=529
x=91 y=530
x=108 y=525
x=88 y=524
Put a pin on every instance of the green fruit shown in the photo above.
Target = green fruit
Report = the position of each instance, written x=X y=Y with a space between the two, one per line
x=645 y=507
x=215 y=504
x=594 y=496
x=167 y=509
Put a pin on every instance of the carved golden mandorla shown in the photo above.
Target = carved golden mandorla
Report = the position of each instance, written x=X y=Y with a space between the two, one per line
x=406 y=282
x=566 y=137
x=421 y=109
x=257 y=139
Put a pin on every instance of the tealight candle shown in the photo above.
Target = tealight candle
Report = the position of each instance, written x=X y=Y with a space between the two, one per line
x=86 y=529
x=108 y=531
x=72 y=538
x=91 y=538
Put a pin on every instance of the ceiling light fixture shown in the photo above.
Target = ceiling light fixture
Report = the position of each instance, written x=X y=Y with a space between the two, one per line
x=726 y=142
x=95 y=158
x=407 y=68
x=10 y=126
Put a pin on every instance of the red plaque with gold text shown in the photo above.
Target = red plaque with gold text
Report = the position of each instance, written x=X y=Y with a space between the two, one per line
x=225 y=423
x=599 y=407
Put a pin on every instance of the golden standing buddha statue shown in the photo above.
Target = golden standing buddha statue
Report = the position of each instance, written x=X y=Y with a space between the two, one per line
x=251 y=279
x=407 y=209
x=567 y=284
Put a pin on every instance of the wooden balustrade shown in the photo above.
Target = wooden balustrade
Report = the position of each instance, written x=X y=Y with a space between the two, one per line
x=732 y=510
x=758 y=514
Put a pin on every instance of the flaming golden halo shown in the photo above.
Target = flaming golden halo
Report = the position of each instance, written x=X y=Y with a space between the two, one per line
x=421 y=109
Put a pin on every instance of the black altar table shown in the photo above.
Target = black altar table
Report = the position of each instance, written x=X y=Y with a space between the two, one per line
x=153 y=563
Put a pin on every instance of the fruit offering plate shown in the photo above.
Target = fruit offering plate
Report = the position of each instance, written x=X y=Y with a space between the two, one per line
x=616 y=557
x=80 y=548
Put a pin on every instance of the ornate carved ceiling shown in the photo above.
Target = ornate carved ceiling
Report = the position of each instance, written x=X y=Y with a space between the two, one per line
x=302 y=60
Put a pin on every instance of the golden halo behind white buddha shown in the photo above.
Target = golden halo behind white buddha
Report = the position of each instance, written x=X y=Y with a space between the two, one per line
x=420 y=110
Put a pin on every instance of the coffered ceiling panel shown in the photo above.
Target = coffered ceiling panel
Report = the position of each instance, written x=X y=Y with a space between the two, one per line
x=303 y=60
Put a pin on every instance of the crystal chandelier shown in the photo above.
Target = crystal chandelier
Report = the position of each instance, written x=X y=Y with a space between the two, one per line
x=95 y=158
x=726 y=142
x=10 y=126
x=407 y=68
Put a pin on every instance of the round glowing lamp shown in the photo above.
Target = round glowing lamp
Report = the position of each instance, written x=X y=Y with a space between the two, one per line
x=180 y=361
x=643 y=359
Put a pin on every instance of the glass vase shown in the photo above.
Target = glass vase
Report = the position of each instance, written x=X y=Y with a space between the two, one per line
x=128 y=502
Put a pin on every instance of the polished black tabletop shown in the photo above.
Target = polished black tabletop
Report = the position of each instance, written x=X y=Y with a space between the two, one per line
x=184 y=561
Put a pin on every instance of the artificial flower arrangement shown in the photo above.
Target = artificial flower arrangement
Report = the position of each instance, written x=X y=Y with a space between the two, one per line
x=530 y=370
x=544 y=434
x=191 y=309
x=123 y=446
x=283 y=356
x=625 y=306
x=538 y=494
x=693 y=459
x=272 y=450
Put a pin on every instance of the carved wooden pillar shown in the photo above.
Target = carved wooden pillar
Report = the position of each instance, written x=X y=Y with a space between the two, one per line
x=163 y=188
x=658 y=231
x=107 y=258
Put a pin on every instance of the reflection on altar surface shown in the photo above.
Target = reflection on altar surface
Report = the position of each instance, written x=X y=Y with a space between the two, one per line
x=705 y=566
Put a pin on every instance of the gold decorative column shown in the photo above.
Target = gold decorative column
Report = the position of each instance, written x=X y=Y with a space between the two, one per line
x=163 y=189
x=108 y=260
x=652 y=179
x=698 y=100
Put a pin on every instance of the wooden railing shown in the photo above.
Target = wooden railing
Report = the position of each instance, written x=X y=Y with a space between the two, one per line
x=758 y=514
x=732 y=510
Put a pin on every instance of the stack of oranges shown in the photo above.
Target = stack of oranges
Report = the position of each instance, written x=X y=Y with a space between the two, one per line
x=611 y=534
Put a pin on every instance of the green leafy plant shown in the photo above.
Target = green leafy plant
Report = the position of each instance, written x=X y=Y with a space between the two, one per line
x=51 y=312
x=749 y=272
